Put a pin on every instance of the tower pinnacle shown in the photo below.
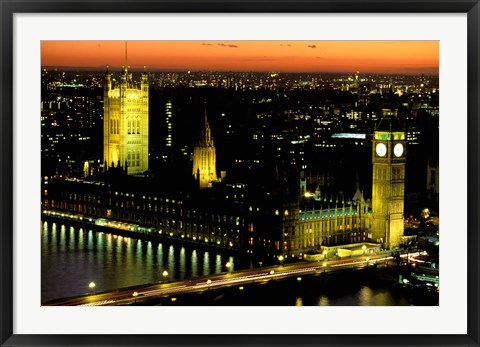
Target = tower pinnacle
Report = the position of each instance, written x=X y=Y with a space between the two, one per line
x=126 y=56
x=204 y=157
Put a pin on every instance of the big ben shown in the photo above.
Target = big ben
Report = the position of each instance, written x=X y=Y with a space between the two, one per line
x=388 y=186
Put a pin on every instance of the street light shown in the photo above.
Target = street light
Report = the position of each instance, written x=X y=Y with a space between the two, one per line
x=325 y=252
x=364 y=248
x=209 y=282
x=91 y=285
x=135 y=294
x=228 y=265
x=280 y=259
x=165 y=275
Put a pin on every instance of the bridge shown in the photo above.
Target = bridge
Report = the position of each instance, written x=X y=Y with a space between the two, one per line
x=144 y=293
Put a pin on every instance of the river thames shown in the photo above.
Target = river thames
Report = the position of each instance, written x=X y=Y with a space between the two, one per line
x=72 y=257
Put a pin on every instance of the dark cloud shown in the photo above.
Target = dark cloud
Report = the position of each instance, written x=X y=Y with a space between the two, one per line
x=224 y=45
x=312 y=46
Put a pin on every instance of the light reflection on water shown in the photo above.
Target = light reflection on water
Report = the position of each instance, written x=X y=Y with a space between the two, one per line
x=72 y=259
x=365 y=296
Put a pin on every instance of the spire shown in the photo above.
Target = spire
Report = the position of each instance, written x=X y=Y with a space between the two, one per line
x=206 y=120
x=318 y=193
x=205 y=138
x=358 y=196
x=126 y=60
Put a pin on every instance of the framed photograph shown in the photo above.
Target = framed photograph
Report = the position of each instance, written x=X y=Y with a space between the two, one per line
x=239 y=173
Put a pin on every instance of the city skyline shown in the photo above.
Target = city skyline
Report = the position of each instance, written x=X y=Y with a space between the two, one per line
x=223 y=180
x=389 y=57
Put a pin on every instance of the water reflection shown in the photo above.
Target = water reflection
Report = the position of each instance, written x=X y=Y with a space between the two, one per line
x=114 y=262
x=72 y=259
x=194 y=263
x=206 y=264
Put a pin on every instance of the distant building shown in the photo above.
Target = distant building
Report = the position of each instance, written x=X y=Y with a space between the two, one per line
x=168 y=123
x=125 y=121
x=204 y=158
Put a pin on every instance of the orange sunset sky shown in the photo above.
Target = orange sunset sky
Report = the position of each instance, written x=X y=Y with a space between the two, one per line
x=403 y=57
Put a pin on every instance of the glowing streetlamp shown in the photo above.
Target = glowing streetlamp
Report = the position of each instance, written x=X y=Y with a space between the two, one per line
x=91 y=285
x=364 y=248
x=228 y=265
x=325 y=254
x=280 y=259
x=209 y=282
x=135 y=294
x=165 y=275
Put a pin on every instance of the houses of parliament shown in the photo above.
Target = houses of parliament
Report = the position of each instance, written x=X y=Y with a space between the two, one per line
x=268 y=219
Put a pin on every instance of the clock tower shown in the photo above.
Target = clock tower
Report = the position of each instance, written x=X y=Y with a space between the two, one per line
x=388 y=186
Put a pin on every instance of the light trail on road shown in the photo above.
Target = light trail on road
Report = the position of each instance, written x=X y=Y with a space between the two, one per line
x=153 y=291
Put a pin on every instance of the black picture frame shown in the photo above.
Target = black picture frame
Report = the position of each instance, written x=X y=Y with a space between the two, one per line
x=10 y=7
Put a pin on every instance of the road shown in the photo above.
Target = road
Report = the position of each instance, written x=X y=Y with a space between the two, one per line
x=131 y=295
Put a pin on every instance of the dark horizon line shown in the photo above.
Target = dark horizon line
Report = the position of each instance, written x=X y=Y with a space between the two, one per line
x=140 y=69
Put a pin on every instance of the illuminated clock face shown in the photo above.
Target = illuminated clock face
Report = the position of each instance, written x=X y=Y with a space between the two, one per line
x=398 y=150
x=381 y=149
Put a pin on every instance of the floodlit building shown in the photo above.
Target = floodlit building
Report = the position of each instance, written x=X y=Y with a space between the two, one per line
x=388 y=186
x=125 y=119
x=267 y=218
x=204 y=158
